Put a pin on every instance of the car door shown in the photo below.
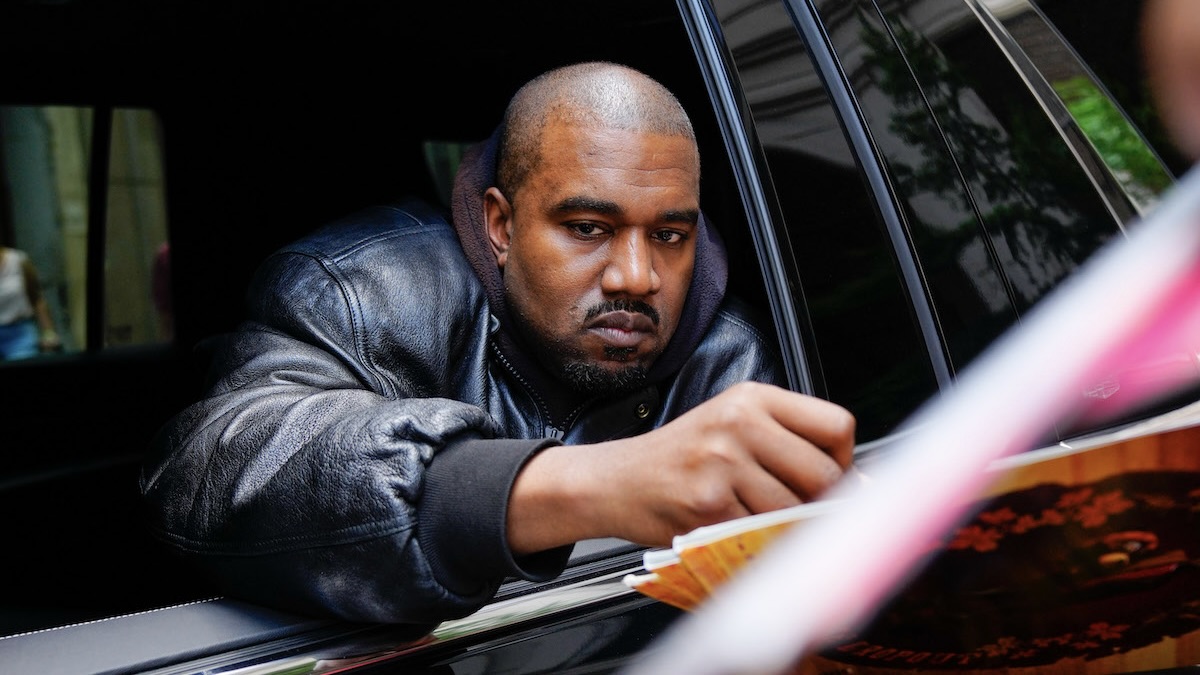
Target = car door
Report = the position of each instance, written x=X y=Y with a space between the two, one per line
x=917 y=182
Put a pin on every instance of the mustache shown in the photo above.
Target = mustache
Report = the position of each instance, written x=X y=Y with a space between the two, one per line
x=622 y=305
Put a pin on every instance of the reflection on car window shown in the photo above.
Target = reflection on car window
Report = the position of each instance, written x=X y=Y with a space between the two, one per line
x=1003 y=207
x=47 y=194
x=1104 y=35
x=872 y=357
x=1116 y=142
x=1132 y=162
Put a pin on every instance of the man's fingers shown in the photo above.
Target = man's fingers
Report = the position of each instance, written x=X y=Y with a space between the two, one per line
x=802 y=466
x=825 y=425
x=760 y=492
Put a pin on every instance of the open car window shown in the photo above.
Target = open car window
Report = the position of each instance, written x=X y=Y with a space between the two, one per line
x=83 y=197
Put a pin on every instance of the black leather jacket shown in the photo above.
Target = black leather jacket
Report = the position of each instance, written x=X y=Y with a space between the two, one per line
x=356 y=449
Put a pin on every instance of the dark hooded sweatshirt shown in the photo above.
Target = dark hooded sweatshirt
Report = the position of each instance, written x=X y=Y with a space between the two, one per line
x=355 y=451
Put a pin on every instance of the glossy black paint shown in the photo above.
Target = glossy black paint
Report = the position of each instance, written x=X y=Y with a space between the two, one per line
x=601 y=640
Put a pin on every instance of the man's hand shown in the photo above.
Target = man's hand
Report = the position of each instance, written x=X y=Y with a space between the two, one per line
x=751 y=449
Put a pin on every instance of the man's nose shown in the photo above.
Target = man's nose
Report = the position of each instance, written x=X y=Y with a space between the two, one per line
x=630 y=268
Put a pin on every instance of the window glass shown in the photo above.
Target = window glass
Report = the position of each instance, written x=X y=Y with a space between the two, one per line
x=137 y=302
x=44 y=156
x=870 y=351
x=46 y=174
x=1001 y=208
x=1106 y=38
x=1114 y=139
x=972 y=303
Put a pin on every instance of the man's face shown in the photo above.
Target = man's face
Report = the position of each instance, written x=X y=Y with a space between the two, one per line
x=597 y=249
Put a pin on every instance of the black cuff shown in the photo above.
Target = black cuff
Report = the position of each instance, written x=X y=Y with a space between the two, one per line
x=462 y=516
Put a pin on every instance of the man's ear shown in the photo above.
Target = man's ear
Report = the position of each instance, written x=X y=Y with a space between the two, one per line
x=497 y=211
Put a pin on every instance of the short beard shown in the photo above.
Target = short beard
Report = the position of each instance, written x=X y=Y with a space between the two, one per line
x=591 y=378
x=585 y=376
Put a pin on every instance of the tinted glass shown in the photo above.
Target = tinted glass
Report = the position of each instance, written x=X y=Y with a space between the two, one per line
x=1106 y=37
x=1119 y=158
x=137 y=302
x=870 y=352
x=1000 y=210
x=44 y=158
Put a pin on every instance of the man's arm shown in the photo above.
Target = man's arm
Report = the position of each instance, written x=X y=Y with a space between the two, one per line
x=303 y=477
x=48 y=339
x=753 y=448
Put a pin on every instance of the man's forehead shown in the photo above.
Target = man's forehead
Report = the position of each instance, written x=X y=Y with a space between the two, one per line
x=574 y=147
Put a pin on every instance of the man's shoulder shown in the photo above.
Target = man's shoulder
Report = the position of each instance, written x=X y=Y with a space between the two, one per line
x=371 y=256
x=736 y=321
x=738 y=346
x=403 y=223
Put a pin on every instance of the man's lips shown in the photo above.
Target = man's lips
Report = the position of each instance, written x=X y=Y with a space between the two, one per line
x=622 y=329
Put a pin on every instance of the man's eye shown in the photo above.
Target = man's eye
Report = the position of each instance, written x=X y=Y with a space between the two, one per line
x=670 y=236
x=585 y=229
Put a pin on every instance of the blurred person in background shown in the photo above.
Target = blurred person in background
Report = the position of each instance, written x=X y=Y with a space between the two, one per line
x=26 y=328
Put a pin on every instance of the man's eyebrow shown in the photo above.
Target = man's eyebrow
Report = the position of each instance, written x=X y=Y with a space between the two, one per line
x=605 y=207
x=688 y=216
x=582 y=203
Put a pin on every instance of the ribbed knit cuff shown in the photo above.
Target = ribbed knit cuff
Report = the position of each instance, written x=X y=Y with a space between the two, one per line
x=462 y=516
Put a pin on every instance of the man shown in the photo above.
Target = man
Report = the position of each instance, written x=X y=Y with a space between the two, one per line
x=415 y=411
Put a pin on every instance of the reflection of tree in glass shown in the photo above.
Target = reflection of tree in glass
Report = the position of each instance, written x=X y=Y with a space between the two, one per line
x=1134 y=164
x=1041 y=214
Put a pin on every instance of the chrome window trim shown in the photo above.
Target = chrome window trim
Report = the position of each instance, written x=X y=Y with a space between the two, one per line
x=736 y=130
x=996 y=16
x=343 y=651
x=499 y=615
x=814 y=34
x=222 y=636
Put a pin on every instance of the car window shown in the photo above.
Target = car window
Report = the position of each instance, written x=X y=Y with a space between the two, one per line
x=1000 y=195
x=257 y=149
x=992 y=183
x=88 y=212
x=1105 y=38
x=1031 y=152
x=1113 y=138
x=870 y=353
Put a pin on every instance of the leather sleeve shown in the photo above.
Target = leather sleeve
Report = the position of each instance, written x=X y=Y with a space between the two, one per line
x=298 y=480
x=734 y=350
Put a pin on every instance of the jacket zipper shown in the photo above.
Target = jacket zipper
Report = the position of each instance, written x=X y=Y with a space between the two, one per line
x=550 y=430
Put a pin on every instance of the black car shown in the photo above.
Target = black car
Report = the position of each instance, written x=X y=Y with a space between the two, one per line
x=897 y=181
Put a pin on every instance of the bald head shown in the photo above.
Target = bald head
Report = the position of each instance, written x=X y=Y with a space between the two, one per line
x=594 y=95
